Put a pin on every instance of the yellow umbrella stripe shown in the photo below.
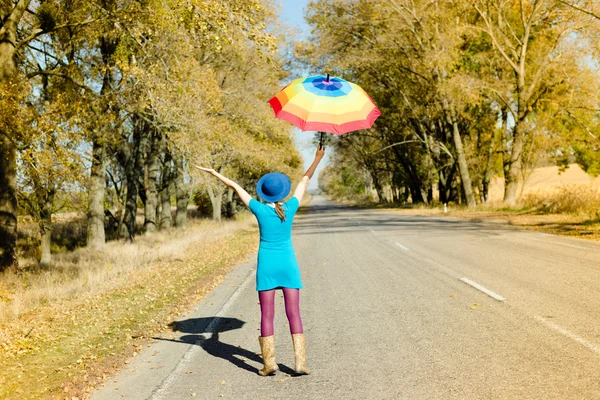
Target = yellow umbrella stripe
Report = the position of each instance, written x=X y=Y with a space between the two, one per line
x=337 y=118
x=342 y=101
x=303 y=102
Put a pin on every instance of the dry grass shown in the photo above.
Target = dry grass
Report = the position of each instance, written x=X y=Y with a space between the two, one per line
x=63 y=328
x=578 y=200
x=84 y=271
x=544 y=180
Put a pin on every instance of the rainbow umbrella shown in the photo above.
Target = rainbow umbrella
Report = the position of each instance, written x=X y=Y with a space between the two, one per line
x=321 y=104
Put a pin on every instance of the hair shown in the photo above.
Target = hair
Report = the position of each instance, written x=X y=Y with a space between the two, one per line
x=279 y=211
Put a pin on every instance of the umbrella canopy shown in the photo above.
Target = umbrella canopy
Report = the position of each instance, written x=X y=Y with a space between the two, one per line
x=318 y=103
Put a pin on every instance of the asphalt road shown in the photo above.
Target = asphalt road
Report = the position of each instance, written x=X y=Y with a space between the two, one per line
x=391 y=311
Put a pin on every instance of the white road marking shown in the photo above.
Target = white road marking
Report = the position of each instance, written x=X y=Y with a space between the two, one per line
x=401 y=246
x=372 y=230
x=574 y=246
x=477 y=286
x=159 y=393
x=594 y=347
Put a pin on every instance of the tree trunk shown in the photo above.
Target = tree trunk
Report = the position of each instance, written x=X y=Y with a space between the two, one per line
x=165 y=210
x=182 y=195
x=96 y=233
x=8 y=151
x=231 y=204
x=216 y=198
x=8 y=204
x=504 y=144
x=134 y=169
x=378 y=188
x=152 y=169
x=446 y=178
x=414 y=182
x=488 y=172
x=463 y=166
x=514 y=167
x=95 y=215
x=46 y=226
x=165 y=194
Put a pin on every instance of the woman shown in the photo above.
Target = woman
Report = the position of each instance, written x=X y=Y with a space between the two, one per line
x=277 y=266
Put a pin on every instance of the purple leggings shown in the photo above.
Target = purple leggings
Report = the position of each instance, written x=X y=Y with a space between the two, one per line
x=267 y=310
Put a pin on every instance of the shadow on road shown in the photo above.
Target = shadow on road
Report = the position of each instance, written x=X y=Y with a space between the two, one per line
x=236 y=355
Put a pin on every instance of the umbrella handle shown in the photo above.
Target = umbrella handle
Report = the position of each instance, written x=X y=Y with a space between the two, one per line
x=321 y=141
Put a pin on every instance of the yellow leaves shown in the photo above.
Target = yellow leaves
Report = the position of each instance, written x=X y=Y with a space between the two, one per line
x=477 y=306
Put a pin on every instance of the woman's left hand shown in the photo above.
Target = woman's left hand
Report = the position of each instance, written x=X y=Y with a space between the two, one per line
x=210 y=170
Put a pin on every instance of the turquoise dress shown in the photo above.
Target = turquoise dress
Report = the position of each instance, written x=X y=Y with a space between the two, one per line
x=277 y=265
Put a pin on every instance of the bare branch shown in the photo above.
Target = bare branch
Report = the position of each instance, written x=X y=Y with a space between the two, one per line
x=38 y=32
x=490 y=32
x=582 y=125
x=64 y=76
x=395 y=144
x=583 y=10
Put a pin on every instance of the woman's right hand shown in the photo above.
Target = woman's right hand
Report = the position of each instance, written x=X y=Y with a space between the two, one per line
x=320 y=152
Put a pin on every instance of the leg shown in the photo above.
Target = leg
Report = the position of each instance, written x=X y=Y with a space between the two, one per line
x=267 y=312
x=266 y=340
x=292 y=309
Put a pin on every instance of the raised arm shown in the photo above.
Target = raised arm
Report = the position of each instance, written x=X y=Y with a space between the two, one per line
x=244 y=196
x=301 y=188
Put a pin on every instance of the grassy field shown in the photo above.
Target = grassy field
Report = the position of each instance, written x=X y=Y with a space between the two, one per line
x=64 y=330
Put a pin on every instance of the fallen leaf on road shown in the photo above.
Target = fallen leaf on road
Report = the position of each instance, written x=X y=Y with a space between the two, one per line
x=222 y=382
x=453 y=296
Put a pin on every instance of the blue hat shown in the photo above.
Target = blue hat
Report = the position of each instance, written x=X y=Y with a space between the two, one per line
x=273 y=187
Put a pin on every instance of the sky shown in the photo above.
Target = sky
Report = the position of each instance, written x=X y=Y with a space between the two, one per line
x=291 y=13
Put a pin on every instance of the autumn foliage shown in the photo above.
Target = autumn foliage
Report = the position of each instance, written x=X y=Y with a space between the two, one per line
x=468 y=90
x=113 y=101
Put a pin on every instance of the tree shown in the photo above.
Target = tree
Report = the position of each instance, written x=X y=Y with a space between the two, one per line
x=533 y=40
x=50 y=160
x=23 y=25
x=405 y=54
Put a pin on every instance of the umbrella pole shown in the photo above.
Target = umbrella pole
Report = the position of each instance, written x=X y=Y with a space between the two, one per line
x=321 y=141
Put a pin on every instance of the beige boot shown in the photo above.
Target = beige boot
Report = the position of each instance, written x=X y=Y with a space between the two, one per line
x=267 y=348
x=300 y=353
